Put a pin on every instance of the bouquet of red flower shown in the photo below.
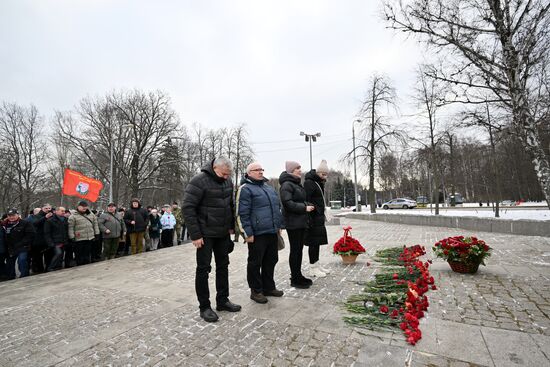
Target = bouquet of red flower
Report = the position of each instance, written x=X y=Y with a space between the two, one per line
x=347 y=245
x=462 y=249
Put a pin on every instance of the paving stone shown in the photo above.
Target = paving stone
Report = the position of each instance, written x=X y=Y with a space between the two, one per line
x=141 y=311
x=505 y=351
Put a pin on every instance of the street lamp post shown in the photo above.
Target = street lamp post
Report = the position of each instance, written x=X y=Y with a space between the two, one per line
x=111 y=172
x=310 y=138
x=357 y=204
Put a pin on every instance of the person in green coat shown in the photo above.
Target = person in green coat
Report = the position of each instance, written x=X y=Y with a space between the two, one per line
x=112 y=228
x=180 y=222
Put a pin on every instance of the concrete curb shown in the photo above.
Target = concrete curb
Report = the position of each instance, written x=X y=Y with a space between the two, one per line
x=517 y=227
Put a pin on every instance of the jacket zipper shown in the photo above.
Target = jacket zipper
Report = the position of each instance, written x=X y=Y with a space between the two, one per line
x=271 y=206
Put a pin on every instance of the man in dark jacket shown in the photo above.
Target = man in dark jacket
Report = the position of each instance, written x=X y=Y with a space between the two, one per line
x=3 y=255
x=136 y=220
x=39 y=249
x=56 y=235
x=295 y=213
x=259 y=219
x=317 y=232
x=69 y=256
x=19 y=236
x=208 y=210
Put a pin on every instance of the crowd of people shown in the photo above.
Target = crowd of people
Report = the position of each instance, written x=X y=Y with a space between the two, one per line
x=52 y=238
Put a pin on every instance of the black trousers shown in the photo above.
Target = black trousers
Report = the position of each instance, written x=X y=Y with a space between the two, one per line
x=296 y=238
x=262 y=257
x=49 y=253
x=313 y=251
x=219 y=247
x=37 y=257
x=83 y=251
x=97 y=250
x=126 y=250
x=69 y=254
x=3 y=267
x=167 y=237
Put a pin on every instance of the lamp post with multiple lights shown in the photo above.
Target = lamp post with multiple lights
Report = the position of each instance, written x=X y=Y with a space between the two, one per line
x=310 y=138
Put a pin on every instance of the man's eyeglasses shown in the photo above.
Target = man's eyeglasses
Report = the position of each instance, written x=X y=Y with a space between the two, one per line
x=257 y=170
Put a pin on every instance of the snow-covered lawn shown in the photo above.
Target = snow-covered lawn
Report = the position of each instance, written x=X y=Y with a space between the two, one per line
x=505 y=213
x=527 y=203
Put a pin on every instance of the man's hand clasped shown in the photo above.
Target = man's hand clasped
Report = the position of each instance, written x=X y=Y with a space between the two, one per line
x=198 y=243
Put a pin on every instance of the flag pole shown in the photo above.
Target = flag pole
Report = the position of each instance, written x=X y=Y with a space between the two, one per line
x=62 y=183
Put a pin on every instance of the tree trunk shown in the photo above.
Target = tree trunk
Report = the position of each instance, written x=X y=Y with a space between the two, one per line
x=372 y=200
x=496 y=178
x=452 y=169
x=435 y=192
x=134 y=172
x=533 y=145
x=525 y=123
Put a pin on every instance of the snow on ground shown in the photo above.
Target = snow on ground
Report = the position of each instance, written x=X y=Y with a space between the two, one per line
x=527 y=203
x=510 y=213
x=505 y=213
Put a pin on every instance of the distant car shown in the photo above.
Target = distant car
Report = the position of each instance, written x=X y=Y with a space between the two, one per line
x=422 y=200
x=399 y=203
x=508 y=203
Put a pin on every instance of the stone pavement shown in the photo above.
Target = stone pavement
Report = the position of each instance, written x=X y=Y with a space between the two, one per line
x=142 y=311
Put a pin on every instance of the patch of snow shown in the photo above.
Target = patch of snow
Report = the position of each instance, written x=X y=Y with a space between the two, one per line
x=505 y=213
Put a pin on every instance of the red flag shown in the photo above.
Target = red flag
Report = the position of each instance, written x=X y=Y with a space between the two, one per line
x=76 y=184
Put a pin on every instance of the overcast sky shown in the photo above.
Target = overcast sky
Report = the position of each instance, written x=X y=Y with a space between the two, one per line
x=281 y=67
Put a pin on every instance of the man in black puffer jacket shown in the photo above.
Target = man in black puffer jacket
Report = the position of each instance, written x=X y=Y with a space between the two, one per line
x=40 y=254
x=56 y=235
x=208 y=210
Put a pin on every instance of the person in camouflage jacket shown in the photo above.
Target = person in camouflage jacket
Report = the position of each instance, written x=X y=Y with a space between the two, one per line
x=180 y=222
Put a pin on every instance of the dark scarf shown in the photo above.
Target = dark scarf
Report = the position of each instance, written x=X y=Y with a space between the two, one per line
x=8 y=226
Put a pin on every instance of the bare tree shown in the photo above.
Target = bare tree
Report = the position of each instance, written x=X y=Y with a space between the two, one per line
x=387 y=176
x=7 y=172
x=375 y=132
x=239 y=145
x=493 y=124
x=493 y=47
x=21 y=134
x=200 y=143
x=133 y=125
x=427 y=96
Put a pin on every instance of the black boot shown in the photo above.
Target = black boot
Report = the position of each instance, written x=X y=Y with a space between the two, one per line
x=299 y=283
x=228 y=306
x=305 y=280
x=209 y=315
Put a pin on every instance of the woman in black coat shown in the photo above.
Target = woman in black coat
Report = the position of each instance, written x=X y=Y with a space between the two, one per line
x=295 y=214
x=317 y=232
x=154 y=229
